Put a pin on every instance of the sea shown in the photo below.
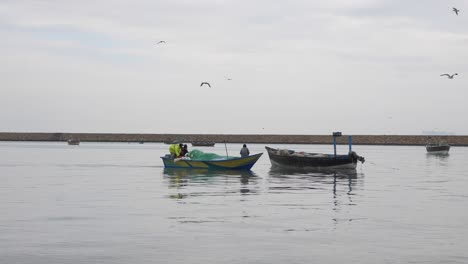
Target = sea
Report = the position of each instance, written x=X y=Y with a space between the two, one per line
x=116 y=203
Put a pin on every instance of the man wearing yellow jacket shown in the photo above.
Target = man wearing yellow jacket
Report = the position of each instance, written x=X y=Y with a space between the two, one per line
x=175 y=149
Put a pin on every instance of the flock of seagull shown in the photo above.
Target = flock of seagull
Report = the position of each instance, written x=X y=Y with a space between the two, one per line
x=203 y=83
x=449 y=76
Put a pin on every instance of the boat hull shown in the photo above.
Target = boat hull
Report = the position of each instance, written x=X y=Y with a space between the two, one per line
x=319 y=161
x=73 y=142
x=203 y=144
x=245 y=163
x=438 y=149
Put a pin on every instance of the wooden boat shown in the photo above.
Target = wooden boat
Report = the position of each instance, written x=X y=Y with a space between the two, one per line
x=291 y=159
x=73 y=142
x=438 y=148
x=303 y=160
x=203 y=144
x=244 y=163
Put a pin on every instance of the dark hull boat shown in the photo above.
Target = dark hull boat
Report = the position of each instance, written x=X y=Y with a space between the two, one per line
x=203 y=144
x=440 y=148
x=301 y=160
x=290 y=159
x=73 y=142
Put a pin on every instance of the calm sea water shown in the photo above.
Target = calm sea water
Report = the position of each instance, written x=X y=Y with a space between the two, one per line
x=115 y=203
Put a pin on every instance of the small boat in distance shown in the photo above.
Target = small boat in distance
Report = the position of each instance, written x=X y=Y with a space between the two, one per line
x=74 y=142
x=203 y=144
x=438 y=148
x=175 y=141
x=290 y=159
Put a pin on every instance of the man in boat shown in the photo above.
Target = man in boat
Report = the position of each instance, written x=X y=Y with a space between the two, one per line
x=184 y=150
x=244 y=151
x=175 y=150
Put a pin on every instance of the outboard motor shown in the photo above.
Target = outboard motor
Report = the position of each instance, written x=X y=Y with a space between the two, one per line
x=355 y=157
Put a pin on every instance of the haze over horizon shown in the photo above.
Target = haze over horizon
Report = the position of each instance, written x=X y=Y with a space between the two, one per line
x=297 y=67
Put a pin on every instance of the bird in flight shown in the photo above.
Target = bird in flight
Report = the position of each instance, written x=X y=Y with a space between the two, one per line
x=456 y=10
x=449 y=76
x=161 y=42
x=227 y=78
x=205 y=83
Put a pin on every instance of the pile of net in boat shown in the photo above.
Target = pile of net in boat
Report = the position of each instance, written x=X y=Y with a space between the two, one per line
x=200 y=155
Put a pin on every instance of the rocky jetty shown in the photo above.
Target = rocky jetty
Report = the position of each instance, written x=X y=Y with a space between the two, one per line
x=230 y=138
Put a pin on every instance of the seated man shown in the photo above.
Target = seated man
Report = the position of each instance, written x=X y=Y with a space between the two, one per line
x=184 y=150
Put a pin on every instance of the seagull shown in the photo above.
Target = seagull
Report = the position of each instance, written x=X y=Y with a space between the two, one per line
x=456 y=10
x=227 y=78
x=449 y=76
x=205 y=83
x=161 y=42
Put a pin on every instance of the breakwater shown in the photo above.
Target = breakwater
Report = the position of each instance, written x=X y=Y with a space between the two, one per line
x=231 y=138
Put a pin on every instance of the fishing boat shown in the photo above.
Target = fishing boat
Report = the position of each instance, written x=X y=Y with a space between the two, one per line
x=290 y=159
x=303 y=160
x=226 y=163
x=438 y=148
x=203 y=144
x=73 y=142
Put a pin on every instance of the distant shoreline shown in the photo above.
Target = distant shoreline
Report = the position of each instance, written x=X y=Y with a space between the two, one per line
x=400 y=140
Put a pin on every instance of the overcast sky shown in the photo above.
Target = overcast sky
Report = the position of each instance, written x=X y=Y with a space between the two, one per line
x=297 y=66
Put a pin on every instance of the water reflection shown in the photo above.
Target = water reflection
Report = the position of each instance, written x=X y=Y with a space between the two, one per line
x=288 y=179
x=440 y=158
x=187 y=180
x=346 y=173
x=340 y=185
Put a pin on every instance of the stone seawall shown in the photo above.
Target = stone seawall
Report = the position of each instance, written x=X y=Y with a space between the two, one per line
x=264 y=139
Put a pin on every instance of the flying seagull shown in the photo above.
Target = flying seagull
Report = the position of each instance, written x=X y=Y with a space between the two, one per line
x=227 y=78
x=161 y=42
x=456 y=10
x=449 y=76
x=205 y=83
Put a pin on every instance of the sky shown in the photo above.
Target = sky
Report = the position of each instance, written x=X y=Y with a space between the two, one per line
x=296 y=67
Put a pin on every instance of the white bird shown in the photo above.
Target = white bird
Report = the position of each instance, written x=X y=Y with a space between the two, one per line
x=205 y=83
x=456 y=10
x=449 y=76
x=227 y=78
x=161 y=42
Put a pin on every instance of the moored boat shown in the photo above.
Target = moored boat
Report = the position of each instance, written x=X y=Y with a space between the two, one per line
x=203 y=144
x=73 y=142
x=290 y=159
x=302 y=160
x=234 y=163
x=172 y=142
x=438 y=148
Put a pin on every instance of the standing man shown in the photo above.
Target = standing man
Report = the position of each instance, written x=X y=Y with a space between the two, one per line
x=244 y=151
